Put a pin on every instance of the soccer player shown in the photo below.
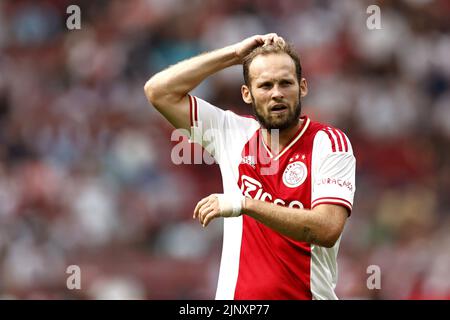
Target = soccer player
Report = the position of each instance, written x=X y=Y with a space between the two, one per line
x=288 y=181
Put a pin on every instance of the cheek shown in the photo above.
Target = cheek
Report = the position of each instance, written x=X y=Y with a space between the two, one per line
x=294 y=96
x=263 y=97
x=258 y=99
x=260 y=107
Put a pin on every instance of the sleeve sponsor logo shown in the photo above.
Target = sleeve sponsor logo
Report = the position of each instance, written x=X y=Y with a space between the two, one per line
x=332 y=181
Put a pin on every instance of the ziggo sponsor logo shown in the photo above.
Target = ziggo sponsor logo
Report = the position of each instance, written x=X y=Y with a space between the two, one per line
x=252 y=188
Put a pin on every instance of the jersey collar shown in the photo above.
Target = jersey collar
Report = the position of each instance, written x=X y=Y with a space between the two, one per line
x=293 y=140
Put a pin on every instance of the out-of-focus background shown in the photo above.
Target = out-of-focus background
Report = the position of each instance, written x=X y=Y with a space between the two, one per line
x=86 y=176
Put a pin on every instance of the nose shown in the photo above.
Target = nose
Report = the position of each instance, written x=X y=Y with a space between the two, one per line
x=277 y=92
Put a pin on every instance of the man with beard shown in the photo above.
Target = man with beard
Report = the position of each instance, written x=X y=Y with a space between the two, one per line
x=285 y=205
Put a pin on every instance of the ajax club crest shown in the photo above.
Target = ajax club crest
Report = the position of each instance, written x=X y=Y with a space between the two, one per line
x=295 y=174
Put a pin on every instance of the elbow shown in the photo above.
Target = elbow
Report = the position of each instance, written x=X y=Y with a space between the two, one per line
x=323 y=240
x=159 y=95
x=324 y=236
x=329 y=240
x=328 y=243
x=151 y=91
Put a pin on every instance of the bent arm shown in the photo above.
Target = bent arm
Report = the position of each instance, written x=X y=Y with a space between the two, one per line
x=167 y=90
x=321 y=226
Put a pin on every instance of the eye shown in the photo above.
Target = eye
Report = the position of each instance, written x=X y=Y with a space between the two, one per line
x=265 y=85
x=286 y=83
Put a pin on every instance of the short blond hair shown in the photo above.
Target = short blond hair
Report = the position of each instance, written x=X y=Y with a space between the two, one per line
x=279 y=47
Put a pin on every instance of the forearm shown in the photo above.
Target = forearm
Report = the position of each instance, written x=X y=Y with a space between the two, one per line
x=312 y=226
x=178 y=80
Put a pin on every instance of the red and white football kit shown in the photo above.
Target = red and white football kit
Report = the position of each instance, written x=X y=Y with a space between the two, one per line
x=317 y=166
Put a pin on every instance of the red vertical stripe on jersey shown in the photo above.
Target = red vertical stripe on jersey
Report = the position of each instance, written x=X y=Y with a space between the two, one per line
x=344 y=139
x=336 y=134
x=333 y=145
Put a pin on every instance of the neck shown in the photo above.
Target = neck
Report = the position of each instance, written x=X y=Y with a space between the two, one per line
x=284 y=136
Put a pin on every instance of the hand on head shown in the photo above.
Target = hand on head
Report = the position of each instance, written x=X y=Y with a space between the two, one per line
x=244 y=47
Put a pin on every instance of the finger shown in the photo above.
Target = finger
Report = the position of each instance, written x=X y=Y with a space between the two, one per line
x=267 y=41
x=271 y=38
x=199 y=205
x=265 y=38
x=259 y=39
x=274 y=37
x=204 y=213
x=279 y=41
x=205 y=208
x=210 y=217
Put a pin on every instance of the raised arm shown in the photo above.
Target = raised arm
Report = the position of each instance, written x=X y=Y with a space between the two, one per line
x=167 y=90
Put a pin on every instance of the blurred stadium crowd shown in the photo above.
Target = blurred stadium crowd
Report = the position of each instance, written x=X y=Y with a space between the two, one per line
x=86 y=176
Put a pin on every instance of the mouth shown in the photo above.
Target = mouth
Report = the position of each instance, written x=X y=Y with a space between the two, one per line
x=278 y=108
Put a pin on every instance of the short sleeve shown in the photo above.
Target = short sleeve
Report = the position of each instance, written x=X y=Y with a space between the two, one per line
x=333 y=167
x=215 y=129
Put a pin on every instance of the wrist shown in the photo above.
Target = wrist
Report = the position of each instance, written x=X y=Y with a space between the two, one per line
x=244 y=204
x=233 y=53
x=231 y=205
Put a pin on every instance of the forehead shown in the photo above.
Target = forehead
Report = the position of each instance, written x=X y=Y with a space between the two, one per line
x=272 y=66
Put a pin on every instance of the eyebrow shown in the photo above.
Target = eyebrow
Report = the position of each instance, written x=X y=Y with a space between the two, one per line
x=284 y=79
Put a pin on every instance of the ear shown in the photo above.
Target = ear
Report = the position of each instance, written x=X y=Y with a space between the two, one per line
x=246 y=95
x=303 y=88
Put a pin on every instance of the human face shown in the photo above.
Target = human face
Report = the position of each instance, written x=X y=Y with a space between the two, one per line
x=274 y=91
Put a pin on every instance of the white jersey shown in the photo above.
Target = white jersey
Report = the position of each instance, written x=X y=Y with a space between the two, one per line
x=317 y=166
